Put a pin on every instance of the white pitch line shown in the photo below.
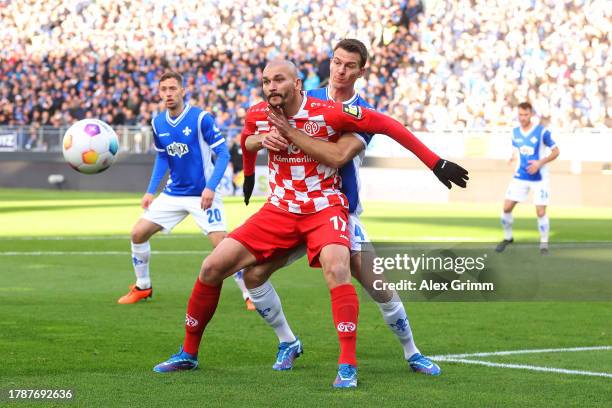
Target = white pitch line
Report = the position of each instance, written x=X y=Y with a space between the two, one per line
x=529 y=367
x=192 y=236
x=428 y=240
x=425 y=238
x=124 y=253
x=526 y=351
x=96 y=237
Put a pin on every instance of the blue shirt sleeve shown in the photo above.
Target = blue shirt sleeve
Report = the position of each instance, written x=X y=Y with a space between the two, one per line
x=211 y=133
x=548 y=141
x=213 y=136
x=159 y=171
x=365 y=139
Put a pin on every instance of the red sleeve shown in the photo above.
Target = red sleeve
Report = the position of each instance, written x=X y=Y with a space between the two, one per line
x=358 y=119
x=248 y=158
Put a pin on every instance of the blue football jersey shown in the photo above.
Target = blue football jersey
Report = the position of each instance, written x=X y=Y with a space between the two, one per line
x=350 y=171
x=187 y=141
x=531 y=146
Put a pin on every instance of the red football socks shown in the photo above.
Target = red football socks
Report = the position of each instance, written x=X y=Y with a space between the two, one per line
x=200 y=310
x=345 y=309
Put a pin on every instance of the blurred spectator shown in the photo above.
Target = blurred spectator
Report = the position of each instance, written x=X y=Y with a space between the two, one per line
x=473 y=61
x=312 y=80
x=435 y=64
x=409 y=12
x=34 y=141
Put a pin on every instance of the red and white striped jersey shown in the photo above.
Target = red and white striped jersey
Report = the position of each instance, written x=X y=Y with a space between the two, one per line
x=301 y=185
x=298 y=183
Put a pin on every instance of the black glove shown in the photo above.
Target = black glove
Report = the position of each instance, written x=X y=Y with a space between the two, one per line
x=447 y=171
x=247 y=187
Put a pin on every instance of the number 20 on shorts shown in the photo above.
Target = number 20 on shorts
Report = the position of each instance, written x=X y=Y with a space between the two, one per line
x=214 y=215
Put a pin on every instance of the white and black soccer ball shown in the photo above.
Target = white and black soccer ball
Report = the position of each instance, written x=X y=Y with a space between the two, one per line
x=90 y=146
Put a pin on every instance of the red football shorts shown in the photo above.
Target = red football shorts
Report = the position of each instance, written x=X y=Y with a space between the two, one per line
x=271 y=232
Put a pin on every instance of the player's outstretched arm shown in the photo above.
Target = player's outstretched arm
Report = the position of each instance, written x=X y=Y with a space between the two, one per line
x=356 y=119
x=448 y=172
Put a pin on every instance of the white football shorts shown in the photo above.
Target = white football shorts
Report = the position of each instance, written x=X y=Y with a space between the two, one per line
x=168 y=211
x=518 y=190
x=359 y=239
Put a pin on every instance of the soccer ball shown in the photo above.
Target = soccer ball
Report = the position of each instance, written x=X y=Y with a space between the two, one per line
x=90 y=146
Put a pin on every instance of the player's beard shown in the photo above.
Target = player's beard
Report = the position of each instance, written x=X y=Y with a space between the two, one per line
x=278 y=95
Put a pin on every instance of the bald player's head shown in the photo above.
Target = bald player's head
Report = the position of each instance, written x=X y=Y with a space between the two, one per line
x=287 y=66
x=281 y=82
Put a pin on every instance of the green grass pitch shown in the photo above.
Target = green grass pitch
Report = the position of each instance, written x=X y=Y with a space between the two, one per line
x=60 y=325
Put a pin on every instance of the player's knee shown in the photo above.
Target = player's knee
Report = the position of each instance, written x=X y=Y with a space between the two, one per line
x=337 y=272
x=138 y=235
x=212 y=272
x=541 y=212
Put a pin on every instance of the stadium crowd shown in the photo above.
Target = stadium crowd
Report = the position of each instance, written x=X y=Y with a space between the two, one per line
x=435 y=64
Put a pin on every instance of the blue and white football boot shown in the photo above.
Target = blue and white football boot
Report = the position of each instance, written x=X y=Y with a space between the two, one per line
x=421 y=364
x=181 y=361
x=287 y=353
x=347 y=376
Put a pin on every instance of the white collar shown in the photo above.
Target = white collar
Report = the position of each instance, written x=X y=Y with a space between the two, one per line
x=348 y=101
x=528 y=132
x=174 y=122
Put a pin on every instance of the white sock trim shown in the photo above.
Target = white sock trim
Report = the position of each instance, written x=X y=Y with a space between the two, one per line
x=506 y=221
x=142 y=253
x=144 y=247
x=544 y=228
x=260 y=291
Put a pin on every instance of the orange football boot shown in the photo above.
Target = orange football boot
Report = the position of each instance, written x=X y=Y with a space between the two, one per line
x=135 y=295
x=250 y=306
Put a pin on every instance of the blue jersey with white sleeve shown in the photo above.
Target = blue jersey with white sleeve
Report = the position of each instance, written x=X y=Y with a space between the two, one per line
x=186 y=144
x=350 y=171
x=531 y=145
